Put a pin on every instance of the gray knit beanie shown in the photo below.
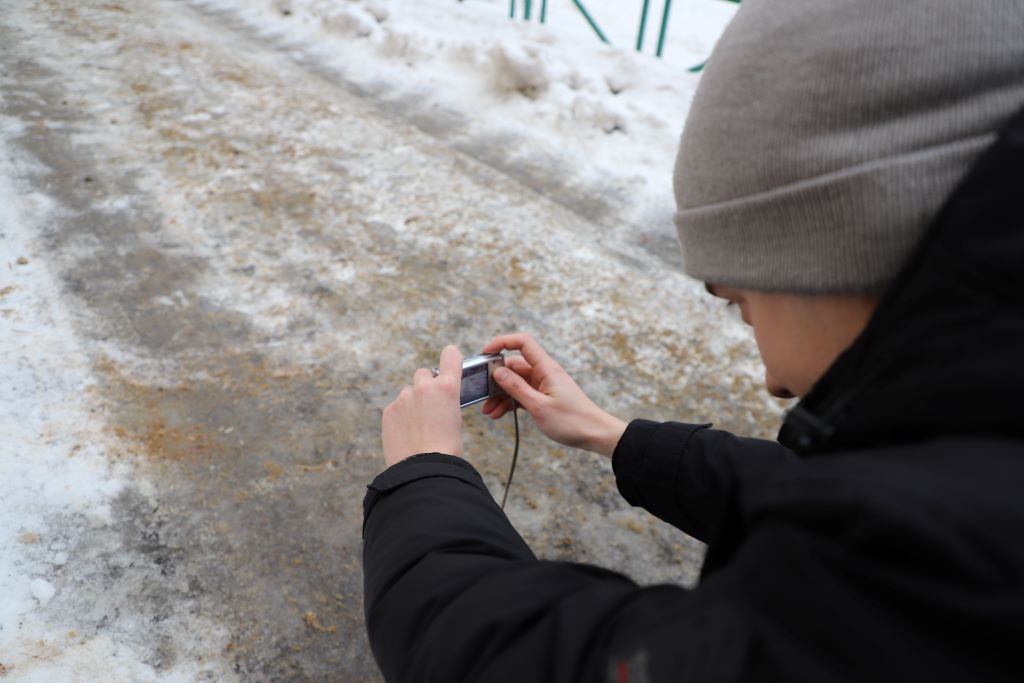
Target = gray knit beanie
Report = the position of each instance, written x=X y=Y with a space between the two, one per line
x=825 y=135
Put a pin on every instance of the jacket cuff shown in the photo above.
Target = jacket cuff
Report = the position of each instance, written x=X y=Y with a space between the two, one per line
x=422 y=466
x=640 y=461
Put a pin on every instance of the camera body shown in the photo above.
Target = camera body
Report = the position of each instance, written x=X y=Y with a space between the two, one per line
x=478 y=378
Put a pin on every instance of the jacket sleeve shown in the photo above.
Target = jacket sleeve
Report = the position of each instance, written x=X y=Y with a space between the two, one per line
x=453 y=593
x=689 y=475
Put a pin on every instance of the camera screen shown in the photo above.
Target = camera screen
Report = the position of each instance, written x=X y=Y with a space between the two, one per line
x=474 y=383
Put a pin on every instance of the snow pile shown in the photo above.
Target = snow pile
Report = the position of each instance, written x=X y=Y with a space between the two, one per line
x=591 y=125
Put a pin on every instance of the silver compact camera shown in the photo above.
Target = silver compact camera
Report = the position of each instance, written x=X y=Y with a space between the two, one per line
x=478 y=378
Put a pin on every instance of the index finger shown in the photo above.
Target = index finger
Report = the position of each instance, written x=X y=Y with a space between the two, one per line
x=451 y=363
x=519 y=341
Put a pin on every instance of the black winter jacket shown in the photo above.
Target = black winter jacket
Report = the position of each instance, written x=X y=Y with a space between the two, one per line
x=882 y=537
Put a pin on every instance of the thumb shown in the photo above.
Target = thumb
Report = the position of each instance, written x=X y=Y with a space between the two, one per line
x=516 y=387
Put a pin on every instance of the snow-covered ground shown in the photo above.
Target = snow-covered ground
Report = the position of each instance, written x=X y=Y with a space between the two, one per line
x=54 y=476
x=208 y=250
x=592 y=125
x=58 y=470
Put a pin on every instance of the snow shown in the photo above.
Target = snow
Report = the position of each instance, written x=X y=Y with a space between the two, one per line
x=73 y=658
x=42 y=591
x=603 y=119
x=57 y=472
x=45 y=469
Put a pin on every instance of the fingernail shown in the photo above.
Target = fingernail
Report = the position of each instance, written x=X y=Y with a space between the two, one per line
x=501 y=373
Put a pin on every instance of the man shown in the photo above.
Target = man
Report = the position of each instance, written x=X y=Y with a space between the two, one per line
x=850 y=176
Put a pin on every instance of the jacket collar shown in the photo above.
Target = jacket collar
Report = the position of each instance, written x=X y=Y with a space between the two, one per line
x=943 y=355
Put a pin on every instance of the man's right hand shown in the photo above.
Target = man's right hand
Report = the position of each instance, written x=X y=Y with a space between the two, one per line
x=555 y=402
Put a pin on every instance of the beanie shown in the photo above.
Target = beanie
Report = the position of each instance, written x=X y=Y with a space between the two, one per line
x=825 y=135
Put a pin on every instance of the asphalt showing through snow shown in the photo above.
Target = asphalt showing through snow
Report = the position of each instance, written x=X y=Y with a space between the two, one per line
x=256 y=258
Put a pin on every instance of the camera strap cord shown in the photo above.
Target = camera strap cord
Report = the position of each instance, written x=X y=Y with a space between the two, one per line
x=515 y=453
